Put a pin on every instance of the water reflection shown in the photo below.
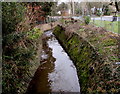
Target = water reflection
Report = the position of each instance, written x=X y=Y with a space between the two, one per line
x=57 y=72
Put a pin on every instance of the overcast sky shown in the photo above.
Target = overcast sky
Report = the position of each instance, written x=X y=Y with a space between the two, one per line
x=59 y=1
x=86 y=0
x=68 y=0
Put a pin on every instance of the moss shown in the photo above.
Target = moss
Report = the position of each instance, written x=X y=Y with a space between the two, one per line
x=109 y=42
x=93 y=72
x=80 y=51
x=93 y=39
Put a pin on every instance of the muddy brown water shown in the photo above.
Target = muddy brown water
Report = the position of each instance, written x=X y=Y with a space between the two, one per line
x=57 y=72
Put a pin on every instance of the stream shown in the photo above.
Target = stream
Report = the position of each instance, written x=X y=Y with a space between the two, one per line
x=56 y=72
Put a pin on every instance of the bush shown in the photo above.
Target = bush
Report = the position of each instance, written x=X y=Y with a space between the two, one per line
x=12 y=14
x=87 y=19
x=15 y=57
x=20 y=45
x=98 y=13
x=106 y=11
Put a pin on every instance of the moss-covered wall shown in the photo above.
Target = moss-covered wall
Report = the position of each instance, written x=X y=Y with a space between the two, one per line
x=85 y=58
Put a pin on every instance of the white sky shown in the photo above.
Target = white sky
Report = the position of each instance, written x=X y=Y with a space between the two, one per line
x=85 y=0
x=69 y=0
x=59 y=1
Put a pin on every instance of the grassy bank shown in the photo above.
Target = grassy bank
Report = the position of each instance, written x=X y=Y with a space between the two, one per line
x=88 y=48
x=108 y=25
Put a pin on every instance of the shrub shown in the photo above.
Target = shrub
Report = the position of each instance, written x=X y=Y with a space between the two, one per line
x=98 y=13
x=12 y=14
x=106 y=11
x=87 y=19
x=20 y=46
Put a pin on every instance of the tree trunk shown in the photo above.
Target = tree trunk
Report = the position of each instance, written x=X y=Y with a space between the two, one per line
x=116 y=5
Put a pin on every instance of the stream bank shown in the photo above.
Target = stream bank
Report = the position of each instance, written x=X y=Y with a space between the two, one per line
x=94 y=71
x=56 y=72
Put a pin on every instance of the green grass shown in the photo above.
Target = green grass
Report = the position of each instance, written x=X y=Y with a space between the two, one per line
x=108 y=25
x=118 y=15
